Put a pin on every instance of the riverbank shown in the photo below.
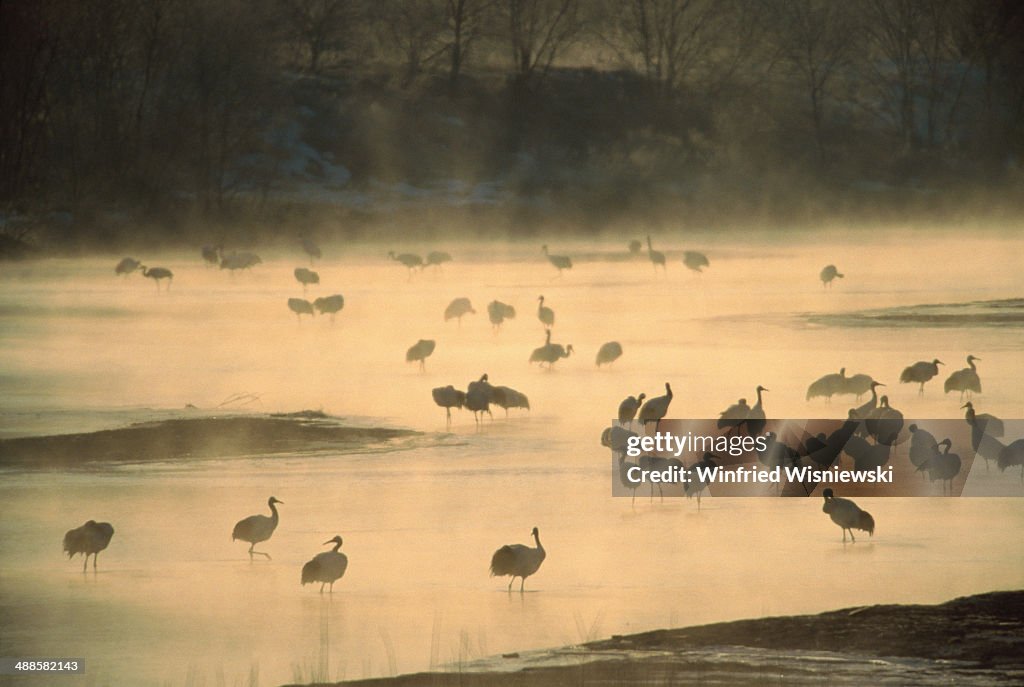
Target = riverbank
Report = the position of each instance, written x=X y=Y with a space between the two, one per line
x=970 y=640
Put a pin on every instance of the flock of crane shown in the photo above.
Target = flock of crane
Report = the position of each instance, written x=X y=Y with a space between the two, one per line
x=515 y=560
x=868 y=436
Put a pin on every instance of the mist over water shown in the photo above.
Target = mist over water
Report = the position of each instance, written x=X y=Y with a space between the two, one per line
x=174 y=601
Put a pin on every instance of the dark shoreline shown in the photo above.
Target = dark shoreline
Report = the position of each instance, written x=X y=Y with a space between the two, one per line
x=195 y=438
x=969 y=640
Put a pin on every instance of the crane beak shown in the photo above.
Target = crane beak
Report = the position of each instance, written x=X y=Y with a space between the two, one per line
x=963 y=406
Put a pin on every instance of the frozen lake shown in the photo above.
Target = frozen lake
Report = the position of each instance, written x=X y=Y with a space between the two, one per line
x=175 y=601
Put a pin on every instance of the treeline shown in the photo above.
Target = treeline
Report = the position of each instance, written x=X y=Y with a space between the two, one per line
x=180 y=107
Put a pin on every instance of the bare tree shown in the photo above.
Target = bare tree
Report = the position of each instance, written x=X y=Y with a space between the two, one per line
x=664 y=39
x=465 y=24
x=319 y=26
x=815 y=39
x=413 y=30
x=538 y=30
x=28 y=51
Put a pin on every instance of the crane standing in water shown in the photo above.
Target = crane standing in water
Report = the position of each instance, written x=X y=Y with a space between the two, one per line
x=90 y=538
x=828 y=274
x=966 y=381
x=656 y=408
x=518 y=560
x=327 y=567
x=158 y=273
x=562 y=262
x=656 y=256
x=257 y=528
x=628 y=408
x=920 y=372
x=545 y=314
x=609 y=353
x=847 y=515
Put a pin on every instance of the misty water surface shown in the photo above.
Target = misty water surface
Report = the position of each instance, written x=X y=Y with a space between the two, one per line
x=176 y=602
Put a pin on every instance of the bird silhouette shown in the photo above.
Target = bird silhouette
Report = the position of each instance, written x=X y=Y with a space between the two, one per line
x=695 y=261
x=562 y=262
x=828 y=386
x=457 y=308
x=984 y=430
x=420 y=351
x=327 y=567
x=310 y=248
x=211 y=254
x=300 y=306
x=656 y=256
x=989 y=424
x=847 y=515
x=943 y=465
x=629 y=407
x=863 y=411
x=329 y=305
x=884 y=422
x=922 y=446
x=239 y=261
x=756 y=419
x=437 y=258
x=518 y=560
x=966 y=381
x=550 y=353
x=506 y=397
x=867 y=456
x=498 y=312
x=858 y=385
x=829 y=273
x=733 y=417
x=635 y=247
x=1011 y=456
x=257 y=528
x=617 y=438
x=654 y=409
x=696 y=485
x=609 y=353
x=478 y=397
x=306 y=277
x=448 y=397
x=90 y=538
x=920 y=372
x=126 y=266
x=158 y=273
x=410 y=260
x=545 y=314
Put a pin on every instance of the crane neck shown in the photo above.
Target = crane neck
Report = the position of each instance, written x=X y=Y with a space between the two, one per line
x=970 y=361
x=273 y=511
x=337 y=545
x=536 y=538
x=758 y=404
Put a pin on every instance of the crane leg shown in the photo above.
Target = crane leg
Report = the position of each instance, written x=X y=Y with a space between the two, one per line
x=85 y=562
x=510 y=583
x=522 y=583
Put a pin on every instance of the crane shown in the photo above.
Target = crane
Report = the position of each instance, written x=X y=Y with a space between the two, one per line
x=847 y=515
x=562 y=262
x=257 y=528
x=420 y=351
x=518 y=560
x=327 y=567
x=90 y=538
x=609 y=353
x=966 y=381
x=920 y=372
